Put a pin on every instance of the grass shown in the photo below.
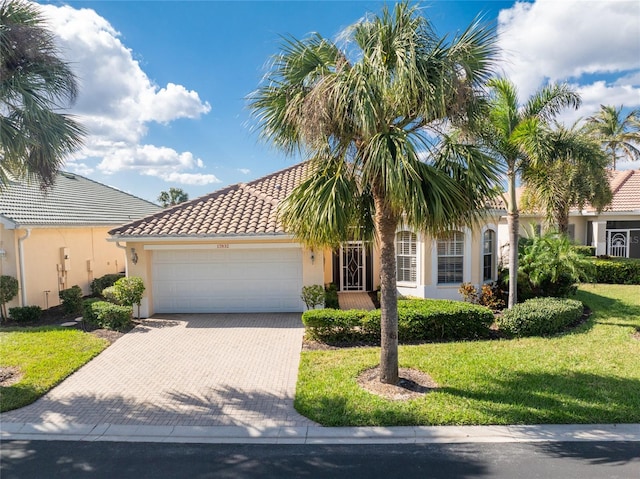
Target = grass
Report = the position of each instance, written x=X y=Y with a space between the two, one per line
x=45 y=356
x=590 y=375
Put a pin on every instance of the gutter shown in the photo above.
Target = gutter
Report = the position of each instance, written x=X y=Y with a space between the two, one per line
x=23 y=282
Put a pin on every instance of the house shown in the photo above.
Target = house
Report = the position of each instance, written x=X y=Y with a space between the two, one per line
x=52 y=240
x=615 y=231
x=227 y=252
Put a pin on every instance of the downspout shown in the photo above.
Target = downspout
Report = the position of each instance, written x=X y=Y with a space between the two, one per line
x=126 y=261
x=23 y=282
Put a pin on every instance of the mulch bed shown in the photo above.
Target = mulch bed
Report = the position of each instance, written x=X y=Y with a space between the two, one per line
x=55 y=316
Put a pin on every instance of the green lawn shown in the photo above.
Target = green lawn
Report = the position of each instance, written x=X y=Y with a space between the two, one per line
x=45 y=356
x=591 y=375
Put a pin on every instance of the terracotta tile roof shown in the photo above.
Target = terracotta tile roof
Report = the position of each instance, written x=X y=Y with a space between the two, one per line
x=73 y=200
x=242 y=209
x=625 y=186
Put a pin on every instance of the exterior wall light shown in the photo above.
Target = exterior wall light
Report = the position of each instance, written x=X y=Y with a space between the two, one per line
x=134 y=256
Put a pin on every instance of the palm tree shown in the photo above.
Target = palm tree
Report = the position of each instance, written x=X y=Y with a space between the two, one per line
x=34 y=85
x=507 y=126
x=619 y=136
x=567 y=169
x=173 y=197
x=369 y=117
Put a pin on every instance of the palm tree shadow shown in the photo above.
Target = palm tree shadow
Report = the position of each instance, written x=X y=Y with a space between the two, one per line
x=548 y=398
x=609 y=453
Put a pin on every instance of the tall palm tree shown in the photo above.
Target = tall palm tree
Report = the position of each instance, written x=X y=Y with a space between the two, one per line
x=507 y=126
x=369 y=118
x=35 y=85
x=620 y=137
x=567 y=169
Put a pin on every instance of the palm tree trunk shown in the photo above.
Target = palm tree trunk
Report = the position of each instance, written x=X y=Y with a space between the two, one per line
x=562 y=220
x=513 y=223
x=386 y=223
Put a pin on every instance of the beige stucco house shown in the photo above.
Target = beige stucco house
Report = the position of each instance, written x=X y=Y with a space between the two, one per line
x=227 y=252
x=615 y=231
x=52 y=240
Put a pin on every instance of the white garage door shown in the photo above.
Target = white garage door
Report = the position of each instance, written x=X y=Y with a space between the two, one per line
x=228 y=280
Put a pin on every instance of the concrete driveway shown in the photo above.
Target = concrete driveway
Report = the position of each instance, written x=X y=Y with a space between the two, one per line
x=185 y=370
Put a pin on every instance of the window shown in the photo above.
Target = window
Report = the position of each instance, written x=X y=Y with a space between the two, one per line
x=406 y=270
x=488 y=255
x=450 y=258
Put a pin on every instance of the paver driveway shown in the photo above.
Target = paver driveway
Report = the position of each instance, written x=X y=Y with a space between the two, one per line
x=190 y=370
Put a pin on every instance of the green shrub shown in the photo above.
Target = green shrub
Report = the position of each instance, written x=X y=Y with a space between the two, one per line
x=331 y=296
x=71 y=299
x=333 y=323
x=22 y=314
x=8 y=290
x=616 y=270
x=540 y=316
x=110 y=294
x=99 y=284
x=128 y=291
x=585 y=250
x=313 y=296
x=107 y=315
x=442 y=320
x=87 y=310
x=418 y=320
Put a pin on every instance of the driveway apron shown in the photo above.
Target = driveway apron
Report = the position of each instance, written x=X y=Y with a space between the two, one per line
x=185 y=370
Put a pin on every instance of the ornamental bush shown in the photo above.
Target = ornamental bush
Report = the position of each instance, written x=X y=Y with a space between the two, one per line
x=107 y=315
x=331 y=296
x=8 y=290
x=540 y=316
x=71 y=299
x=99 y=284
x=418 y=320
x=23 y=314
x=128 y=291
x=313 y=296
x=333 y=324
x=616 y=270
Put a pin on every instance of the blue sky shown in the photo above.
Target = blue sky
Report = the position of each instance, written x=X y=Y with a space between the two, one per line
x=163 y=84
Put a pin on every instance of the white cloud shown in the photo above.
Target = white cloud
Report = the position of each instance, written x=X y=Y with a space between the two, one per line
x=593 y=44
x=189 y=178
x=244 y=171
x=117 y=99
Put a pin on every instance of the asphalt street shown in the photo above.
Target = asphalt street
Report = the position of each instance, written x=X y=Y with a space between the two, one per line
x=566 y=460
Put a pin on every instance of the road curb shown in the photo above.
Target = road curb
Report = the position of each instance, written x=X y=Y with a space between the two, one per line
x=319 y=434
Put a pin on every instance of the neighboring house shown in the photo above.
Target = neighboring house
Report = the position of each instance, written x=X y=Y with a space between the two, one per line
x=227 y=252
x=52 y=240
x=615 y=231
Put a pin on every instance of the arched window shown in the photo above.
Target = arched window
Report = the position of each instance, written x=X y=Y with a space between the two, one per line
x=488 y=255
x=451 y=258
x=406 y=257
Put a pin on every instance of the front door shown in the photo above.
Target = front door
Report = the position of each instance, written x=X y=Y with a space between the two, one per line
x=352 y=266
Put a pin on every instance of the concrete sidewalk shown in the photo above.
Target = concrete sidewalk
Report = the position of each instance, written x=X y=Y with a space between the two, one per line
x=320 y=435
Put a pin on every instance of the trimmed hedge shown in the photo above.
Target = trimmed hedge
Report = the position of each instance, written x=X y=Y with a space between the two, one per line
x=98 y=284
x=585 y=250
x=107 y=315
x=540 y=316
x=22 y=314
x=617 y=270
x=333 y=323
x=418 y=320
